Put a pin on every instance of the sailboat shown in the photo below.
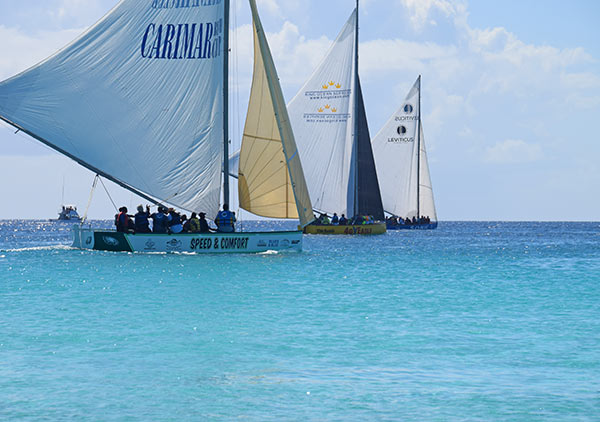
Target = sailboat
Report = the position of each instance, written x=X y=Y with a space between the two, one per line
x=67 y=212
x=329 y=121
x=141 y=99
x=403 y=169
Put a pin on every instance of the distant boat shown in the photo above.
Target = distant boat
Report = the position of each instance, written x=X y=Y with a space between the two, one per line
x=330 y=124
x=68 y=213
x=141 y=99
x=402 y=167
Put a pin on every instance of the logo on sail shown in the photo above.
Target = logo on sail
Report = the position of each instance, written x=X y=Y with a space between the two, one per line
x=177 y=4
x=182 y=41
x=330 y=107
x=327 y=108
x=332 y=85
x=408 y=108
x=330 y=90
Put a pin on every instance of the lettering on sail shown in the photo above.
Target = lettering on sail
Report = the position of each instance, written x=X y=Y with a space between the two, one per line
x=183 y=41
x=177 y=4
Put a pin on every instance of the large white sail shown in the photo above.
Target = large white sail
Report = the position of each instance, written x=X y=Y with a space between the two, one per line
x=271 y=181
x=402 y=167
x=137 y=98
x=330 y=124
x=322 y=119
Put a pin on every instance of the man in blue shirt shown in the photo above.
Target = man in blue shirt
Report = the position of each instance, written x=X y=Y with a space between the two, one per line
x=160 y=220
x=142 y=225
x=225 y=220
x=335 y=219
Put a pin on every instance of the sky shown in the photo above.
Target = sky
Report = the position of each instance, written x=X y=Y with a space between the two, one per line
x=511 y=95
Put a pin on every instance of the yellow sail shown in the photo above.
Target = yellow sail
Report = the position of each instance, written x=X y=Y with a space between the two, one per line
x=271 y=181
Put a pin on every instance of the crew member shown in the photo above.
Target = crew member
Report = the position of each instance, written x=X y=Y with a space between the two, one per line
x=142 y=225
x=204 y=227
x=335 y=219
x=225 y=220
x=122 y=220
x=175 y=225
x=160 y=220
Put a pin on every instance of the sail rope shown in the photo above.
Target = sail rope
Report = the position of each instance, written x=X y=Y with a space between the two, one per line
x=84 y=218
x=108 y=193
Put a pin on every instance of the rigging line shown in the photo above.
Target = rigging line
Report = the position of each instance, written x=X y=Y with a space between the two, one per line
x=90 y=199
x=108 y=193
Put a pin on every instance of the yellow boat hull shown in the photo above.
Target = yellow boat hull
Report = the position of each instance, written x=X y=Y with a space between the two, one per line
x=360 y=229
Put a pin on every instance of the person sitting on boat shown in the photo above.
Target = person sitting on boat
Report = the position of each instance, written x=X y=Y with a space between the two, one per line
x=123 y=221
x=335 y=220
x=175 y=225
x=325 y=220
x=343 y=220
x=160 y=220
x=186 y=223
x=225 y=220
x=192 y=225
x=203 y=224
x=142 y=224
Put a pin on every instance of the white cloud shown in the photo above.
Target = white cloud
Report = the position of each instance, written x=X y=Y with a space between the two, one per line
x=420 y=10
x=401 y=55
x=513 y=151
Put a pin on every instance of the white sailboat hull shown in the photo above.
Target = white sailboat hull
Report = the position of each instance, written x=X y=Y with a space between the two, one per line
x=240 y=242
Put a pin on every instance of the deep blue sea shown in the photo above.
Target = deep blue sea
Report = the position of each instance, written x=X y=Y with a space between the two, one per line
x=474 y=321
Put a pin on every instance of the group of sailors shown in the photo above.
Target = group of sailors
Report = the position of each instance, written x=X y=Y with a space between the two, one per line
x=399 y=221
x=168 y=221
x=324 y=220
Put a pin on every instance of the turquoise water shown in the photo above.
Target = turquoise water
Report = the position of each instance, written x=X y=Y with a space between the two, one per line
x=470 y=322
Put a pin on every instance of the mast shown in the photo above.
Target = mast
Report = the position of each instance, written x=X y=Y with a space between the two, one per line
x=226 y=102
x=419 y=155
x=355 y=114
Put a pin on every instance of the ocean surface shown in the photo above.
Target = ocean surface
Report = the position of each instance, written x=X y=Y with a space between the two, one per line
x=474 y=321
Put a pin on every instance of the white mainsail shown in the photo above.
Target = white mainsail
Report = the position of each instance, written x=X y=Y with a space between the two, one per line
x=401 y=160
x=271 y=181
x=329 y=121
x=137 y=98
x=321 y=116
